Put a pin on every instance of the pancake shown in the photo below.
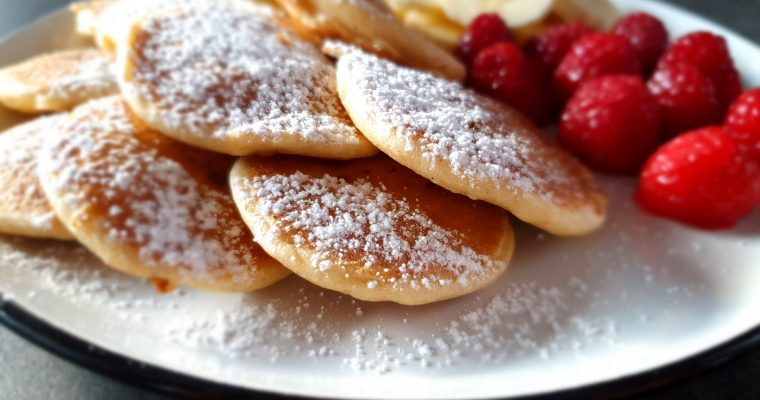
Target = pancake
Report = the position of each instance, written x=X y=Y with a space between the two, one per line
x=113 y=20
x=228 y=78
x=150 y=206
x=372 y=25
x=468 y=143
x=24 y=209
x=371 y=228
x=57 y=81
x=106 y=20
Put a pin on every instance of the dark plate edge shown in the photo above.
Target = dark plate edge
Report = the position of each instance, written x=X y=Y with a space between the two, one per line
x=158 y=379
x=164 y=381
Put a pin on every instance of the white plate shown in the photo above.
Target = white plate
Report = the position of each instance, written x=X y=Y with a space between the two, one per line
x=641 y=294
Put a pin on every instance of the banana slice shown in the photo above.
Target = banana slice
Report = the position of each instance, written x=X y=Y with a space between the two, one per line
x=516 y=13
x=434 y=24
x=600 y=14
x=404 y=4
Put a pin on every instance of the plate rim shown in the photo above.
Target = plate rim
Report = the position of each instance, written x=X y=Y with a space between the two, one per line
x=165 y=381
x=121 y=368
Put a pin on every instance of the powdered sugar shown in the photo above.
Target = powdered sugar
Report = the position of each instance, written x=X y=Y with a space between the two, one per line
x=151 y=202
x=21 y=196
x=361 y=222
x=476 y=137
x=521 y=320
x=230 y=71
x=60 y=80
x=90 y=78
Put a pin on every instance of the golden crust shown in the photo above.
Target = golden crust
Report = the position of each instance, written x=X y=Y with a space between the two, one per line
x=149 y=206
x=24 y=209
x=371 y=228
x=525 y=174
x=284 y=108
x=57 y=81
x=371 y=25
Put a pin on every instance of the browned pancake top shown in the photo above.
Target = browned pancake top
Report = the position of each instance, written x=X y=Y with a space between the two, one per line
x=135 y=189
x=377 y=220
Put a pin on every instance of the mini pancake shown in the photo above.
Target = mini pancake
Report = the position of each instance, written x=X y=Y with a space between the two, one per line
x=372 y=25
x=113 y=18
x=149 y=206
x=24 y=209
x=468 y=143
x=57 y=81
x=228 y=78
x=106 y=20
x=371 y=228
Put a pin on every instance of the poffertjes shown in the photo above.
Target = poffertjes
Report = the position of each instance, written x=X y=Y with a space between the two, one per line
x=371 y=228
x=467 y=143
x=108 y=20
x=24 y=209
x=150 y=206
x=226 y=77
x=57 y=81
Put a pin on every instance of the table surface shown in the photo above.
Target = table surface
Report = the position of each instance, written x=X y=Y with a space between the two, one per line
x=26 y=372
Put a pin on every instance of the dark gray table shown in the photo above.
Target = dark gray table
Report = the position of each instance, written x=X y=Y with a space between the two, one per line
x=27 y=372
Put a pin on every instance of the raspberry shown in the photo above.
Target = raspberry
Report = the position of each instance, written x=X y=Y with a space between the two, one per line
x=686 y=98
x=503 y=72
x=700 y=178
x=484 y=31
x=550 y=47
x=595 y=55
x=709 y=53
x=647 y=34
x=611 y=123
x=743 y=122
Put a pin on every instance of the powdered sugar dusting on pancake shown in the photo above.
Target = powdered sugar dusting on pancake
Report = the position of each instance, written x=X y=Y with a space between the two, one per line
x=478 y=138
x=345 y=221
x=142 y=193
x=231 y=70
x=92 y=77
x=22 y=196
x=61 y=80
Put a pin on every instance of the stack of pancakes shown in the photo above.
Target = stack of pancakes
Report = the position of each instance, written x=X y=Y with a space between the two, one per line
x=215 y=144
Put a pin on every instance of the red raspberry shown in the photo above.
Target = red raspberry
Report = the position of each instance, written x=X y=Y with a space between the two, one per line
x=503 y=72
x=700 y=178
x=686 y=98
x=550 y=47
x=743 y=122
x=647 y=34
x=611 y=123
x=484 y=31
x=595 y=55
x=709 y=53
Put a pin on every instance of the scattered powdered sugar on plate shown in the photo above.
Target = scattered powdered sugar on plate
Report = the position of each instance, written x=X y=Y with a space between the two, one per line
x=358 y=222
x=220 y=70
x=521 y=320
x=478 y=138
x=536 y=313
x=72 y=274
x=300 y=322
